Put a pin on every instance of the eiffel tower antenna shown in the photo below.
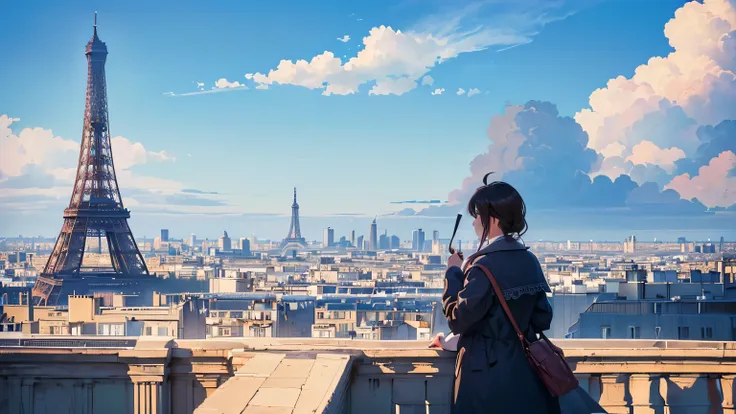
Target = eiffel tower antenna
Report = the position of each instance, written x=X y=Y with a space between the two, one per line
x=96 y=207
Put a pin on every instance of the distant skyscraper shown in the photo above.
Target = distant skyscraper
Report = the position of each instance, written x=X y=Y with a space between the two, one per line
x=435 y=236
x=681 y=240
x=384 y=242
x=359 y=242
x=417 y=240
x=373 y=242
x=244 y=246
x=720 y=245
x=192 y=240
x=395 y=242
x=352 y=238
x=164 y=235
x=328 y=238
x=630 y=244
x=224 y=243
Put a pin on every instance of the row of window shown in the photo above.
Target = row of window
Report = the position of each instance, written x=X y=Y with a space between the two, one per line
x=242 y=315
x=683 y=332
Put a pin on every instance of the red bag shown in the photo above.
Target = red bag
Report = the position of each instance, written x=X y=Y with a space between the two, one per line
x=545 y=358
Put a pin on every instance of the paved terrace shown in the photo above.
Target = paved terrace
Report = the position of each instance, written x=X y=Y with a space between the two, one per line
x=305 y=375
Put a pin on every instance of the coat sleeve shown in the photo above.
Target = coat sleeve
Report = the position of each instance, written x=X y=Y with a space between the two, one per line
x=465 y=302
x=542 y=315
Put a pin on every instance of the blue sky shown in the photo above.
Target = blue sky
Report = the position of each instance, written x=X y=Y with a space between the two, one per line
x=348 y=154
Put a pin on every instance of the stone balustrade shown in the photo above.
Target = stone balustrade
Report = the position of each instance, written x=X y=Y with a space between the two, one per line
x=295 y=375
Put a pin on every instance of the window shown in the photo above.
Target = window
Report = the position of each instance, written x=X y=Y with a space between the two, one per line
x=605 y=332
x=634 y=332
x=657 y=308
x=657 y=331
x=224 y=331
x=706 y=333
x=320 y=315
x=236 y=314
x=53 y=330
x=683 y=332
x=257 y=331
x=162 y=331
x=149 y=331
x=111 y=329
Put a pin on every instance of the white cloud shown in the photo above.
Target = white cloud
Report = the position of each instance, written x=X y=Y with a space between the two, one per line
x=668 y=97
x=473 y=91
x=262 y=86
x=647 y=152
x=389 y=86
x=249 y=76
x=460 y=91
x=396 y=60
x=32 y=146
x=714 y=185
x=438 y=91
x=344 y=39
x=427 y=81
x=127 y=154
x=224 y=83
x=36 y=165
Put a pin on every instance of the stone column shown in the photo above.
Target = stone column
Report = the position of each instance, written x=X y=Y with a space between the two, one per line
x=615 y=397
x=645 y=395
x=148 y=395
x=727 y=381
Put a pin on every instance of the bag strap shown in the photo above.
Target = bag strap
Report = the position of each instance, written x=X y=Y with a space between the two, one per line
x=504 y=304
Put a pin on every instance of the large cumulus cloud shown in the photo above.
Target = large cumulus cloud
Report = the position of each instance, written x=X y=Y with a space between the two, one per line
x=673 y=116
x=662 y=141
x=547 y=158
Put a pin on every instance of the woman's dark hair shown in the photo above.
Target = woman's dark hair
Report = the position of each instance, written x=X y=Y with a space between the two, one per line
x=501 y=201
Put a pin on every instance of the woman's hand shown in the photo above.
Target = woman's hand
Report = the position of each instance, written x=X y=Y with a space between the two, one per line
x=455 y=260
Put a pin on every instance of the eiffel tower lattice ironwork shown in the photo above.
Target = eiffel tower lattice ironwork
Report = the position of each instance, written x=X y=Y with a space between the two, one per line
x=294 y=239
x=96 y=207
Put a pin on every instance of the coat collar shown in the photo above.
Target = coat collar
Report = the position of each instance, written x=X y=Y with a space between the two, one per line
x=505 y=243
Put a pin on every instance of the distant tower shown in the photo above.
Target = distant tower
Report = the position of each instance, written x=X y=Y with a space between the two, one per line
x=224 y=243
x=417 y=240
x=352 y=238
x=720 y=245
x=96 y=208
x=294 y=240
x=373 y=241
x=328 y=238
x=630 y=244
x=359 y=242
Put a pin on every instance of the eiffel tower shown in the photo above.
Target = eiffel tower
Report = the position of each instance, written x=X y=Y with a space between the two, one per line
x=294 y=240
x=96 y=208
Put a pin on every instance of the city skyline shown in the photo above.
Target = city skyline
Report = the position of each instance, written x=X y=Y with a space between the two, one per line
x=673 y=141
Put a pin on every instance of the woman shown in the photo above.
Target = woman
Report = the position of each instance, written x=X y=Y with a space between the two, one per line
x=492 y=373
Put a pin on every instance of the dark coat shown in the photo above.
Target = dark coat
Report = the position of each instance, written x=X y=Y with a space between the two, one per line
x=492 y=374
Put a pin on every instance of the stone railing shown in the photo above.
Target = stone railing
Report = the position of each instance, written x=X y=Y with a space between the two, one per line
x=280 y=375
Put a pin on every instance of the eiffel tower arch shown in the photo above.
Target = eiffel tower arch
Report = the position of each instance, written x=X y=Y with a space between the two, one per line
x=96 y=208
